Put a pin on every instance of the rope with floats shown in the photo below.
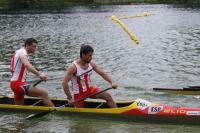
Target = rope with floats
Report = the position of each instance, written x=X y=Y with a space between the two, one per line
x=145 y=14
x=132 y=36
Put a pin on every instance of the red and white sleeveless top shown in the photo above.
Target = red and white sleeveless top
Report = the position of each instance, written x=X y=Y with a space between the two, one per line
x=18 y=70
x=81 y=81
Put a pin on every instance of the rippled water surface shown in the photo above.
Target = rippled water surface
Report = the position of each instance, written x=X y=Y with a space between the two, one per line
x=167 y=57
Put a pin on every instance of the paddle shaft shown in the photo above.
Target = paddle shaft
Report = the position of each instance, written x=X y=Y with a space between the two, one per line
x=60 y=107
x=92 y=95
x=35 y=84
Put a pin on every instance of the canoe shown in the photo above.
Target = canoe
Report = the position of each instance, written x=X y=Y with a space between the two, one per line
x=191 y=90
x=138 y=110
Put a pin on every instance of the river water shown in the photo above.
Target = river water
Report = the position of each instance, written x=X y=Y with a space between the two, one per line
x=168 y=56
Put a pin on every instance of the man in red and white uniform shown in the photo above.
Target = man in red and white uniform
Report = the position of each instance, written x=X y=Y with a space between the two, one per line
x=20 y=65
x=80 y=75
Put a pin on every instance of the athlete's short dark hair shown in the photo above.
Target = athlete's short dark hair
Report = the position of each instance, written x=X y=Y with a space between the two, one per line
x=85 y=49
x=29 y=41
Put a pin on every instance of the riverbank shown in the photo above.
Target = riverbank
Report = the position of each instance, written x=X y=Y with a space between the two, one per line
x=15 y=4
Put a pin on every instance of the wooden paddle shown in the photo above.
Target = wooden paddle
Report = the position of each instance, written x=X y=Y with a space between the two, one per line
x=60 y=107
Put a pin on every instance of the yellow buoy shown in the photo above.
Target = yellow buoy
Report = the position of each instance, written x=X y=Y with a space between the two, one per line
x=145 y=14
x=113 y=17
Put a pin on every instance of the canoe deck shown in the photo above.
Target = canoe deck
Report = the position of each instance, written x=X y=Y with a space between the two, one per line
x=32 y=101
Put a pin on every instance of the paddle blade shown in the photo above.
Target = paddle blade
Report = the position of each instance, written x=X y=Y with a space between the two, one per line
x=38 y=114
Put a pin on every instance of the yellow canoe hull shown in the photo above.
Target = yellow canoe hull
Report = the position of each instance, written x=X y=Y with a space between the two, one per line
x=138 y=110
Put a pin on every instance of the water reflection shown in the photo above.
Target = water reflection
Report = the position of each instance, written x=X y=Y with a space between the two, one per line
x=11 y=123
x=86 y=125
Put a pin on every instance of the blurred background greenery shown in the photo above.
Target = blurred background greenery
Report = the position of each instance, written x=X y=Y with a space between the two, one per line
x=13 y=4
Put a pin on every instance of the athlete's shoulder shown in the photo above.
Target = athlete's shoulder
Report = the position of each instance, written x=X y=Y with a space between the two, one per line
x=92 y=63
x=72 y=68
x=21 y=52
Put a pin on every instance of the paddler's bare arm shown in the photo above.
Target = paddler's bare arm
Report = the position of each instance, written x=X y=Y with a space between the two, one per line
x=68 y=75
x=32 y=69
x=104 y=75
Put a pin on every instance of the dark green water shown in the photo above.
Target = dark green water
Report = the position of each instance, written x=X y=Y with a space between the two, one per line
x=167 y=57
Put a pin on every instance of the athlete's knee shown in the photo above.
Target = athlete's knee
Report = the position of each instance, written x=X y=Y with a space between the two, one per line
x=44 y=94
x=107 y=96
